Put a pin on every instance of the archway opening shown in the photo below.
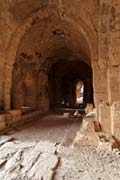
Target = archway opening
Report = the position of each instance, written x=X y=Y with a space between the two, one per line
x=70 y=84
x=23 y=91
x=80 y=92
x=50 y=60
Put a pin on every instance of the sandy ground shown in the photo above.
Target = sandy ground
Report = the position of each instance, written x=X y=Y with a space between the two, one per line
x=43 y=150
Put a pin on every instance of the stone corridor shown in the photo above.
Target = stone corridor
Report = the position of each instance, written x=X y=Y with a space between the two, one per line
x=59 y=55
x=43 y=150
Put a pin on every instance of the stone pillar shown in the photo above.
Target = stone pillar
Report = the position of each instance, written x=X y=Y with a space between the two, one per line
x=100 y=84
x=115 y=119
x=29 y=90
x=42 y=97
x=113 y=84
x=101 y=97
x=18 y=95
x=105 y=116
x=8 y=85
x=1 y=89
x=2 y=78
x=114 y=69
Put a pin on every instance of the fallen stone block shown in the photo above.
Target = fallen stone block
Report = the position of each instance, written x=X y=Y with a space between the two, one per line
x=15 y=116
x=107 y=142
x=66 y=115
x=90 y=125
x=4 y=121
x=86 y=139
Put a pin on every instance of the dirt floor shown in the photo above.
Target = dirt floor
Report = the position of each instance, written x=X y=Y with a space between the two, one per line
x=43 y=150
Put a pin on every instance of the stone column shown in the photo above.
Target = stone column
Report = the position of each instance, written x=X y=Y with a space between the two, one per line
x=115 y=119
x=113 y=84
x=105 y=116
x=2 y=78
x=42 y=97
x=1 y=89
x=8 y=85
x=100 y=84
x=101 y=98
x=100 y=75
x=114 y=69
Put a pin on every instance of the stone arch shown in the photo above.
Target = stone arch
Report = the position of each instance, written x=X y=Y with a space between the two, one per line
x=55 y=95
x=19 y=34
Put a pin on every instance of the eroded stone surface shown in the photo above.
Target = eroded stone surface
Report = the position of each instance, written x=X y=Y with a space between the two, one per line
x=35 y=35
x=42 y=150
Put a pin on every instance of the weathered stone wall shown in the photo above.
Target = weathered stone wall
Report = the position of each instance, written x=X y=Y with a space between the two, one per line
x=17 y=17
x=109 y=65
x=24 y=88
x=87 y=30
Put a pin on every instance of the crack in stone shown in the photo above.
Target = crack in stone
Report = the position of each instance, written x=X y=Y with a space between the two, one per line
x=55 y=169
x=35 y=161
x=11 y=139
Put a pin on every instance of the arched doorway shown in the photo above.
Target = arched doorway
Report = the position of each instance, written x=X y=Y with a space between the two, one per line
x=80 y=92
x=49 y=46
x=63 y=78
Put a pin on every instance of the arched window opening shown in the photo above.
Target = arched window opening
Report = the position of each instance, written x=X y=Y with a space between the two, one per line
x=79 y=92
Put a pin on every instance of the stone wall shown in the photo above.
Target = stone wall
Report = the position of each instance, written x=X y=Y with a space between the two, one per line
x=109 y=65
x=87 y=30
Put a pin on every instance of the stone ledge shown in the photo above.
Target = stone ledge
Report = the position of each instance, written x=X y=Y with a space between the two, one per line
x=16 y=115
x=4 y=119
x=14 y=118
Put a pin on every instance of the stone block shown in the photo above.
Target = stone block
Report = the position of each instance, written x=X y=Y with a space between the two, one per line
x=105 y=116
x=66 y=115
x=16 y=116
x=107 y=142
x=115 y=119
x=89 y=108
x=115 y=57
x=100 y=80
x=86 y=138
x=4 y=121
x=89 y=124
x=113 y=84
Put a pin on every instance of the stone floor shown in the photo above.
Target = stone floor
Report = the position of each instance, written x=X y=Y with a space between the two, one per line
x=43 y=150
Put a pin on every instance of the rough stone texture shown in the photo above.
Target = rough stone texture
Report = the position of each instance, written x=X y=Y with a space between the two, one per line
x=22 y=26
x=89 y=108
x=16 y=115
x=87 y=163
x=90 y=133
x=35 y=35
x=87 y=135
x=115 y=124
x=43 y=150
x=105 y=116
x=86 y=139
x=89 y=124
x=5 y=119
x=107 y=142
x=114 y=84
